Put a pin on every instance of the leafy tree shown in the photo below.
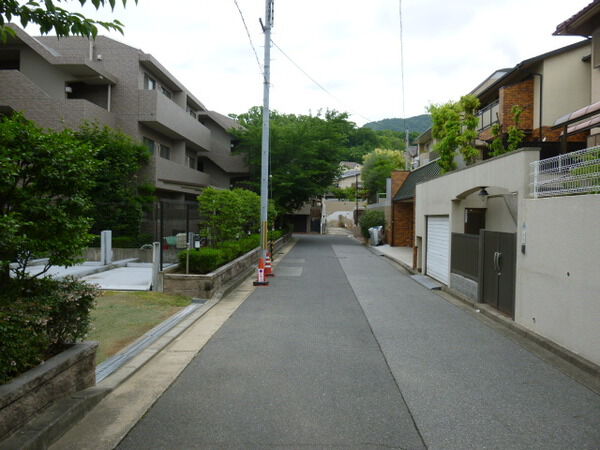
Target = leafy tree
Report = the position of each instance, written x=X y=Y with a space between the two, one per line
x=349 y=193
x=51 y=17
x=305 y=153
x=515 y=134
x=371 y=218
x=220 y=214
x=44 y=181
x=454 y=125
x=377 y=167
x=118 y=197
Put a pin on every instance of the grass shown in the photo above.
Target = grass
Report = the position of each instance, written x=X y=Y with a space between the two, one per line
x=121 y=317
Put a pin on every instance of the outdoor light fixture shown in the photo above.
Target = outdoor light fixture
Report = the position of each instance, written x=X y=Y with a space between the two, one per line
x=483 y=193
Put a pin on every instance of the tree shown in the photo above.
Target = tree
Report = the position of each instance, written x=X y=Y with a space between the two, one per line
x=50 y=17
x=118 y=197
x=304 y=152
x=377 y=167
x=515 y=134
x=44 y=208
x=454 y=126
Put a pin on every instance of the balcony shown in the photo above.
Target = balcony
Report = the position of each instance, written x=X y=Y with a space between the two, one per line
x=161 y=114
x=174 y=176
x=19 y=93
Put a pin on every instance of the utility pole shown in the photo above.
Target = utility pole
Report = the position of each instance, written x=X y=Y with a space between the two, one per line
x=264 y=174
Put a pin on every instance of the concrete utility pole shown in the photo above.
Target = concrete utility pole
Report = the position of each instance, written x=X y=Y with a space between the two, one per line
x=264 y=175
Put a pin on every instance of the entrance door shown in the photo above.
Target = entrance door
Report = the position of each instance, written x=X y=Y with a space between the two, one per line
x=499 y=261
x=438 y=248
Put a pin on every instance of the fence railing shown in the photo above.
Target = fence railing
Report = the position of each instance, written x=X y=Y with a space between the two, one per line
x=465 y=255
x=574 y=173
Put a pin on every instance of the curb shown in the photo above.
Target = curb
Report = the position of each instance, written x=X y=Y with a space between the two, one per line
x=49 y=425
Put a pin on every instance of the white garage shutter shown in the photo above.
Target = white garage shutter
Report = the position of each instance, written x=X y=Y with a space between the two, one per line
x=438 y=246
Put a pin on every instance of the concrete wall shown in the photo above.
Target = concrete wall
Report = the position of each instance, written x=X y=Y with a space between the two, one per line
x=450 y=194
x=558 y=277
x=49 y=78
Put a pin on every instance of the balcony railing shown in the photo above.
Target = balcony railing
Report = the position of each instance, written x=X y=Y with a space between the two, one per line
x=488 y=115
x=574 y=173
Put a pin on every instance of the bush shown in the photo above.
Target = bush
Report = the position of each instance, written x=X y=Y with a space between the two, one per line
x=204 y=260
x=371 y=218
x=38 y=318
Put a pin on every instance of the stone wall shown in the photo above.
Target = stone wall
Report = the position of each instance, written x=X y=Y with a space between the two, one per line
x=208 y=285
x=66 y=373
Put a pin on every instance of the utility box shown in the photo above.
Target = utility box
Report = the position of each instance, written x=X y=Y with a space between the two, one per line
x=181 y=240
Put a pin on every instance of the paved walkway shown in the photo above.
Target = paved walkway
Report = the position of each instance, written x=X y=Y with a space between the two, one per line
x=343 y=351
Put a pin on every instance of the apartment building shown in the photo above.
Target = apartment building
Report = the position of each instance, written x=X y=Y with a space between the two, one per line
x=59 y=83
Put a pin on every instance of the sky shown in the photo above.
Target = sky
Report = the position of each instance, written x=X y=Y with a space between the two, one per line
x=351 y=48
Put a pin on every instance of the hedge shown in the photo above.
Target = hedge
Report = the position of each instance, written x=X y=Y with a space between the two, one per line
x=371 y=218
x=38 y=318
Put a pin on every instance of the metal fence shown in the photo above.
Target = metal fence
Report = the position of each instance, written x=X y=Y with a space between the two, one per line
x=574 y=173
x=465 y=255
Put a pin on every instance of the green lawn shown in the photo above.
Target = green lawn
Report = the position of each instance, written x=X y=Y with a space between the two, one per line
x=122 y=317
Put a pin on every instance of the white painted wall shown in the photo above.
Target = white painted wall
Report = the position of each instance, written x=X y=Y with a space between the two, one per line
x=558 y=278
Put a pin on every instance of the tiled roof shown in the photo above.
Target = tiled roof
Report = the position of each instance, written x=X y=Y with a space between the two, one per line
x=424 y=173
x=563 y=28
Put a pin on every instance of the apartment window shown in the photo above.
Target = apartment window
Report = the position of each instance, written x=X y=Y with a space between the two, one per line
x=190 y=159
x=200 y=165
x=192 y=112
x=149 y=82
x=165 y=151
x=149 y=143
x=10 y=60
x=166 y=92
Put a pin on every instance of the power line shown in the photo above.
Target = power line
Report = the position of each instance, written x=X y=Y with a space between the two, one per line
x=313 y=80
x=249 y=37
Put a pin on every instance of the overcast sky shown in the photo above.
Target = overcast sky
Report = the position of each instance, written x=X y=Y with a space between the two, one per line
x=351 y=47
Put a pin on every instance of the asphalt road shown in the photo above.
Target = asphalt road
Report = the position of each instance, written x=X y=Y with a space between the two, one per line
x=344 y=351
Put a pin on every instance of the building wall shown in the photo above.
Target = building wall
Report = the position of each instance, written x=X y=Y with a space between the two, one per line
x=403 y=225
x=567 y=85
x=558 y=282
x=49 y=78
x=517 y=94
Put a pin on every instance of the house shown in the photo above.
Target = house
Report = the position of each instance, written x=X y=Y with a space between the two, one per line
x=59 y=83
x=585 y=23
x=546 y=86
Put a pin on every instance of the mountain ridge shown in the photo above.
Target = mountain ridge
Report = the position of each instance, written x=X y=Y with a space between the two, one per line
x=418 y=124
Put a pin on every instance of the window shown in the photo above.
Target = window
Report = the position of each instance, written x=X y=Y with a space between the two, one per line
x=150 y=144
x=166 y=92
x=165 y=151
x=190 y=159
x=149 y=82
x=10 y=60
x=200 y=165
x=192 y=112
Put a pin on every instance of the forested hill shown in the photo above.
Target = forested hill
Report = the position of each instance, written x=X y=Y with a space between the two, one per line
x=417 y=123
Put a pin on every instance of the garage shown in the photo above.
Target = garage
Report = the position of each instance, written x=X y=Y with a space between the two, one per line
x=438 y=248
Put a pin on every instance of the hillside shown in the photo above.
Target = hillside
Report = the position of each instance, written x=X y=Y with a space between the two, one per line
x=417 y=123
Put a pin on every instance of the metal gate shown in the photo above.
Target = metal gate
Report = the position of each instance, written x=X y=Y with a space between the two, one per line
x=497 y=266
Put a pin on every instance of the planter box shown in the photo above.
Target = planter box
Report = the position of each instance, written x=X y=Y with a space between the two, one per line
x=66 y=373
x=207 y=285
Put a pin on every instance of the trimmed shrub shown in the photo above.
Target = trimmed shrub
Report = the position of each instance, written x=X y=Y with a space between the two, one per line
x=38 y=318
x=370 y=218
x=204 y=260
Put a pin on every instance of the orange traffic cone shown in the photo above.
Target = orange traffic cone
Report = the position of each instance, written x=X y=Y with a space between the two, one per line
x=261 y=274
x=269 y=266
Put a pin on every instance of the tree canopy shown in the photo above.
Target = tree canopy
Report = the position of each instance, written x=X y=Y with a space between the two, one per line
x=377 y=167
x=454 y=126
x=305 y=153
x=44 y=207
x=51 y=17
x=118 y=196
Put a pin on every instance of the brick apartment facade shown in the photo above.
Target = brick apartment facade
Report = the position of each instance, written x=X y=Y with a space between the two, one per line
x=59 y=83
